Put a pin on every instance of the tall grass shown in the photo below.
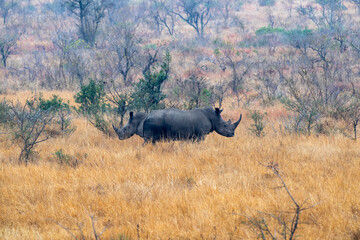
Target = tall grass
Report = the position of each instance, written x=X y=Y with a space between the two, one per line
x=179 y=190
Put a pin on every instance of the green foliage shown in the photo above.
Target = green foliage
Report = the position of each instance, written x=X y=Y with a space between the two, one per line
x=91 y=99
x=76 y=44
x=100 y=123
x=297 y=32
x=122 y=237
x=269 y=30
x=54 y=104
x=61 y=157
x=264 y=3
x=64 y=159
x=4 y=113
x=123 y=102
x=258 y=126
x=269 y=36
x=299 y=38
x=147 y=95
x=28 y=123
x=296 y=37
x=150 y=46
x=206 y=97
x=62 y=113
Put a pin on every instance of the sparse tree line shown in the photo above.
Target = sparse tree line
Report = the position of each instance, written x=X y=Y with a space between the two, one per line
x=311 y=67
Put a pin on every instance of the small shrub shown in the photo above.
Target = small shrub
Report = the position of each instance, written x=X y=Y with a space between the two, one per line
x=122 y=237
x=64 y=159
x=190 y=182
x=258 y=126
x=100 y=123
x=280 y=224
x=4 y=113
x=292 y=124
x=62 y=110
x=28 y=123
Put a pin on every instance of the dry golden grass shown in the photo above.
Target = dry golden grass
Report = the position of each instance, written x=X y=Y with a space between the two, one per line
x=179 y=190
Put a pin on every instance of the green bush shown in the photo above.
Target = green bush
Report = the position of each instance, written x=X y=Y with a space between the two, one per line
x=91 y=99
x=28 y=124
x=4 y=113
x=64 y=159
x=258 y=126
x=148 y=95
x=269 y=30
x=62 y=112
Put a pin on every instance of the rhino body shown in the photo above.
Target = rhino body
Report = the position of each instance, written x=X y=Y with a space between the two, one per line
x=175 y=124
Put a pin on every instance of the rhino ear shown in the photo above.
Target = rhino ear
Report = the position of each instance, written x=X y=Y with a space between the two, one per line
x=229 y=121
x=131 y=114
x=218 y=111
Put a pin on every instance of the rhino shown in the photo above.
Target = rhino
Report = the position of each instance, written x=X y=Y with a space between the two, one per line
x=134 y=126
x=175 y=124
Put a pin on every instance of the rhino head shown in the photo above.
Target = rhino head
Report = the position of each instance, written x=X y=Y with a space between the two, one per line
x=222 y=127
x=128 y=130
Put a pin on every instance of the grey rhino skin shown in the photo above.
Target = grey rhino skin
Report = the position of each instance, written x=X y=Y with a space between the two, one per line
x=174 y=124
x=134 y=126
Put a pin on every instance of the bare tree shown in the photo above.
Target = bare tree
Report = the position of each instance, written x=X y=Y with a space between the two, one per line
x=219 y=91
x=329 y=18
x=196 y=91
x=286 y=222
x=80 y=229
x=7 y=7
x=239 y=64
x=357 y=3
x=318 y=82
x=28 y=127
x=120 y=11
x=89 y=13
x=150 y=57
x=162 y=12
x=124 y=43
x=61 y=42
x=351 y=114
x=8 y=41
x=121 y=99
x=224 y=8
x=270 y=80
x=196 y=13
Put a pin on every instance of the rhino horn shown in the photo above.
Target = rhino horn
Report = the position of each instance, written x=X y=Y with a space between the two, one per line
x=116 y=129
x=237 y=122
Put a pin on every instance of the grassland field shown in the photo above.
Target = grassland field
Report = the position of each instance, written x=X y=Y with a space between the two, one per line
x=179 y=190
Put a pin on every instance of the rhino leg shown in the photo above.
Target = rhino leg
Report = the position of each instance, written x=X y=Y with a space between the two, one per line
x=200 y=139
x=146 y=141
x=155 y=139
